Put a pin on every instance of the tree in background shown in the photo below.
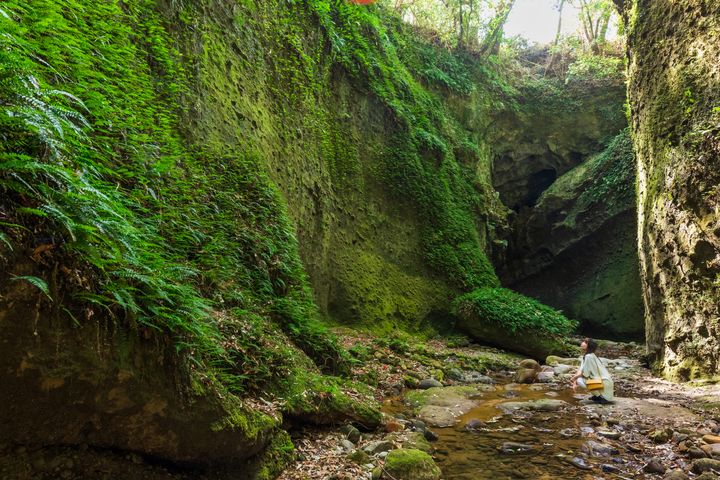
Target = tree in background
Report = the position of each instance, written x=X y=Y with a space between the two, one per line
x=475 y=25
x=595 y=16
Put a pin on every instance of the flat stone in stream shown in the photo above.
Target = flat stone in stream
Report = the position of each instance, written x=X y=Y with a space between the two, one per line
x=597 y=449
x=441 y=406
x=476 y=377
x=437 y=416
x=541 y=405
x=517 y=448
x=580 y=463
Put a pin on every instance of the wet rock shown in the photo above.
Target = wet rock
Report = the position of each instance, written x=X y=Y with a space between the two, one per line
x=563 y=369
x=525 y=375
x=454 y=374
x=569 y=433
x=474 y=424
x=410 y=464
x=711 y=450
x=545 y=377
x=654 y=466
x=476 y=377
x=695 y=452
x=429 y=383
x=553 y=361
x=517 y=448
x=705 y=465
x=597 y=449
x=711 y=438
x=440 y=407
x=437 y=416
x=419 y=425
x=611 y=434
x=608 y=468
x=580 y=463
x=529 y=363
x=377 y=446
x=540 y=405
x=430 y=436
x=676 y=475
x=661 y=436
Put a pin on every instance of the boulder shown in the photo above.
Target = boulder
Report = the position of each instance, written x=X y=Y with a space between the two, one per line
x=410 y=464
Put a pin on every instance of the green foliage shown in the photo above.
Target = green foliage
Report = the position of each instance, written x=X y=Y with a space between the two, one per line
x=147 y=227
x=592 y=67
x=38 y=283
x=513 y=312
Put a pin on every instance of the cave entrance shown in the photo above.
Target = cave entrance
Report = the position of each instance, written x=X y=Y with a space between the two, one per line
x=537 y=184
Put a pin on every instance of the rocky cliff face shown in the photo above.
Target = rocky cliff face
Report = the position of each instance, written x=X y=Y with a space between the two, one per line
x=674 y=94
x=576 y=249
x=572 y=241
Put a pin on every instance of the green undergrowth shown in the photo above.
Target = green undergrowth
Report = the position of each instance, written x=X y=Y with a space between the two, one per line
x=128 y=220
x=513 y=312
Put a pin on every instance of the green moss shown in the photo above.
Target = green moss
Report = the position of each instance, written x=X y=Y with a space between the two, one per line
x=329 y=400
x=253 y=424
x=411 y=464
x=509 y=320
x=275 y=458
x=513 y=312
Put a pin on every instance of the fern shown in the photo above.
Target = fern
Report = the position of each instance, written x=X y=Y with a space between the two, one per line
x=39 y=283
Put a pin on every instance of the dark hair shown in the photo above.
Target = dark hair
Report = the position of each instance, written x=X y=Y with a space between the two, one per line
x=591 y=345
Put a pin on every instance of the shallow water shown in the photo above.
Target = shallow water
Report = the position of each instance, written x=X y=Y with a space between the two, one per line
x=474 y=453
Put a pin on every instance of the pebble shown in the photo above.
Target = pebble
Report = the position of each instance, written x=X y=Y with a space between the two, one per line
x=713 y=450
x=611 y=434
x=597 y=449
x=654 y=466
x=580 y=463
x=711 y=438
x=695 y=452
x=517 y=448
x=607 y=468
x=353 y=435
x=419 y=425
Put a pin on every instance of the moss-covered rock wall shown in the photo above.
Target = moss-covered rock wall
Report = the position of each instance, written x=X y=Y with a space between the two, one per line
x=215 y=178
x=674 y=95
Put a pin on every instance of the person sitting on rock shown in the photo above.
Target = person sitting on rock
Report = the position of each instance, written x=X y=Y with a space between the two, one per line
x=592 y=368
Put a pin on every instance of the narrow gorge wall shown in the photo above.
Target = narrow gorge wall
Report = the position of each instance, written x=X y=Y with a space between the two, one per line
x=674 y=94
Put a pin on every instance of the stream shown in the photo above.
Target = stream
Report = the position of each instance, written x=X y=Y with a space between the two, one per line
x=498 y=439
